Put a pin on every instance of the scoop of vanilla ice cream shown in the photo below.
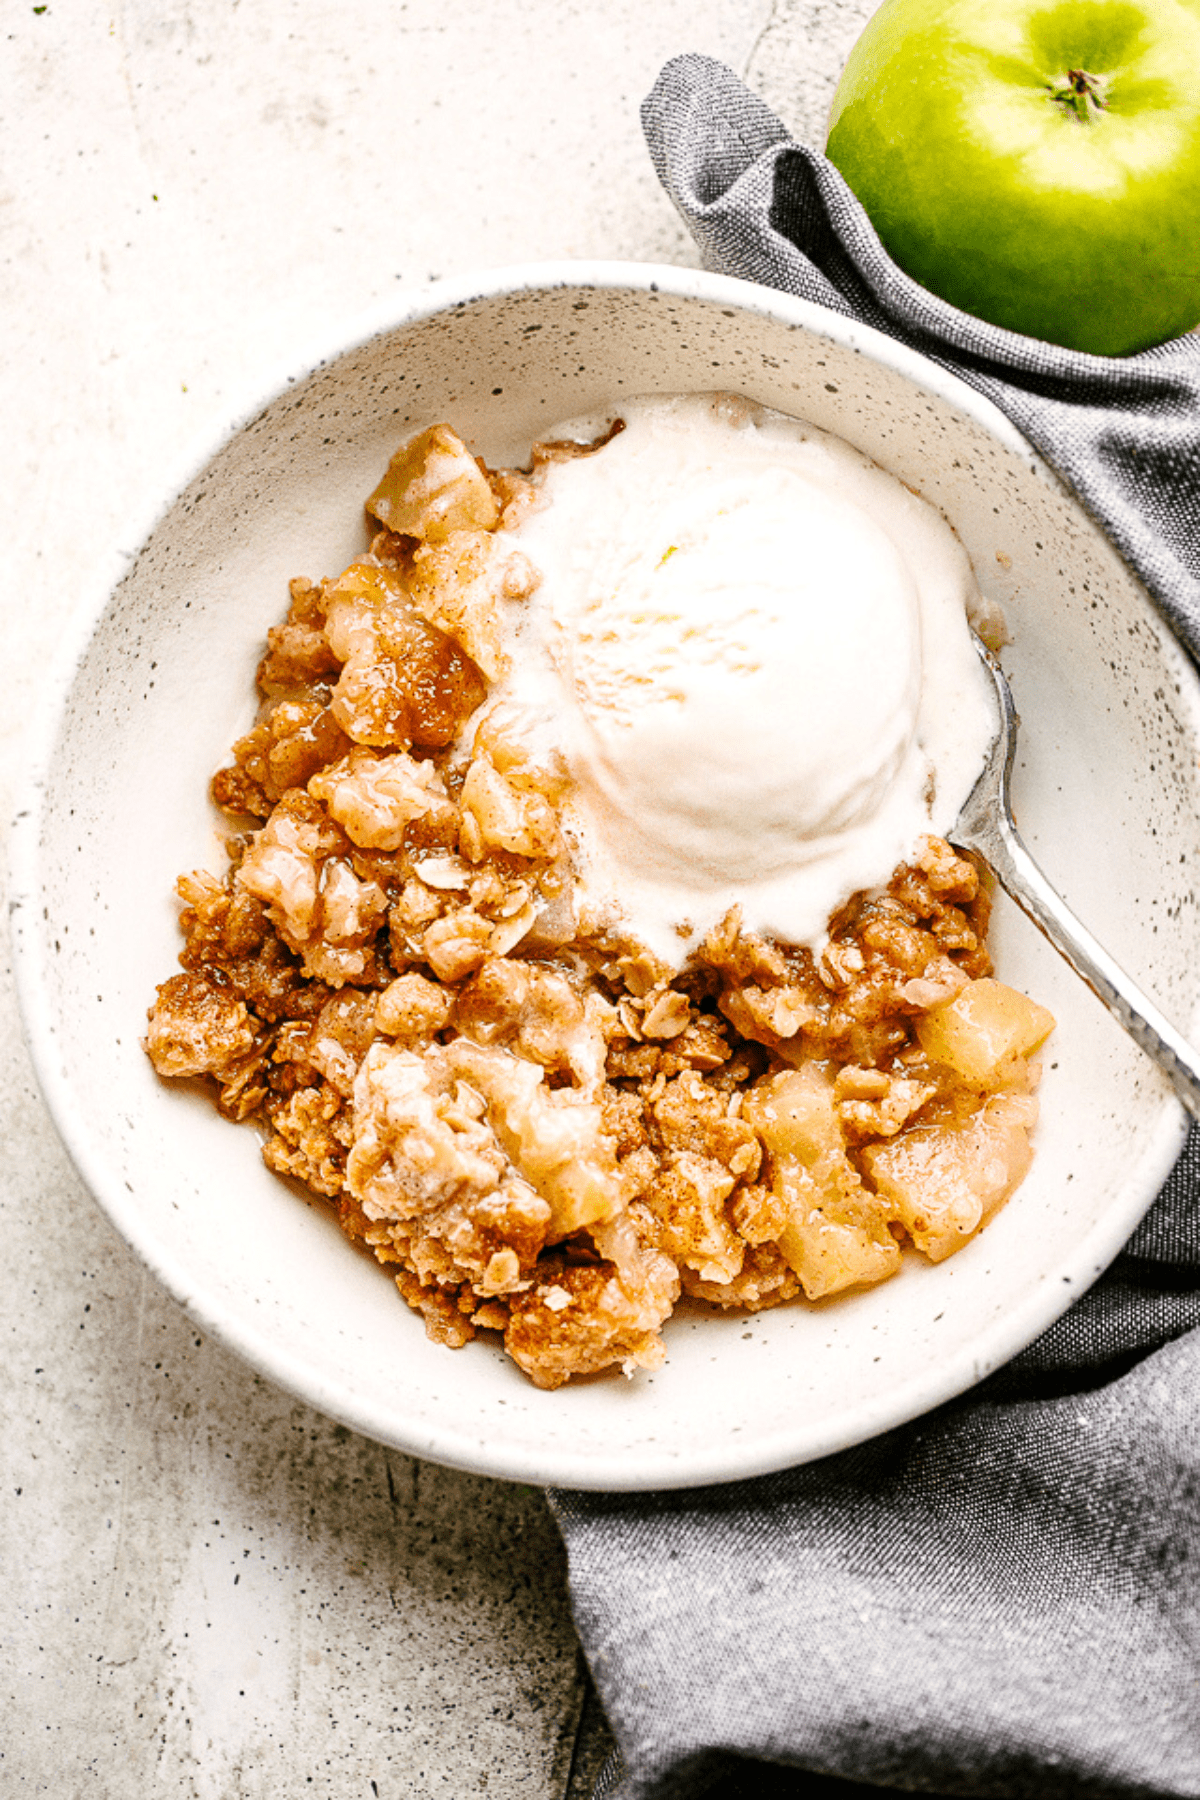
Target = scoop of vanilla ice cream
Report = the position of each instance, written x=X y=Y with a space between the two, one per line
x=714 y=648
x=752 y=646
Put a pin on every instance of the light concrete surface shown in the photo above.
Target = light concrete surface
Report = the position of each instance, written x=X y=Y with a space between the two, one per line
x=205 y=1589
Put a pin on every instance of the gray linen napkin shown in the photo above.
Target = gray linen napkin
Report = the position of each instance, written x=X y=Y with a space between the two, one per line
x=1002 y=1598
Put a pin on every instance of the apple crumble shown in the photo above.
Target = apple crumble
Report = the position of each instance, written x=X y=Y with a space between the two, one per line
x=541 y=1126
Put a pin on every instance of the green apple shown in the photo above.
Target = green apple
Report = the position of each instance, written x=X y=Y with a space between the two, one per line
x=1034 y=162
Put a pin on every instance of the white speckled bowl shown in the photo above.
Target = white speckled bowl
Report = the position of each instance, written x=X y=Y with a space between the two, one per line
x=1108 y=794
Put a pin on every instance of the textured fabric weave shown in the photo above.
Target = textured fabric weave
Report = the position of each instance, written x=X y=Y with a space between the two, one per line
x=1004 y=1597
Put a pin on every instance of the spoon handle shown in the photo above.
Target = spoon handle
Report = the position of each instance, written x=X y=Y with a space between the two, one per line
x=1013 y=866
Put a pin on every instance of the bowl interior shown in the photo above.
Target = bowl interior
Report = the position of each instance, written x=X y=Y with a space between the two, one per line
x=1107 y=781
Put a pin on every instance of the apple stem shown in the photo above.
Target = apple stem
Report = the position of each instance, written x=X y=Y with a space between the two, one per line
x=1082 y=94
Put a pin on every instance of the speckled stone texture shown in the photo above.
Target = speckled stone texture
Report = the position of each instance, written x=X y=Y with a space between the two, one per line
x=207 y=1590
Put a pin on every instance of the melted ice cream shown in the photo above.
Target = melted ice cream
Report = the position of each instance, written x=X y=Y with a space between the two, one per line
x=752 y=645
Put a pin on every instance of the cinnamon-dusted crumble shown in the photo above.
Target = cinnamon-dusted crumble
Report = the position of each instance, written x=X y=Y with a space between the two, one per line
x=537 y=1125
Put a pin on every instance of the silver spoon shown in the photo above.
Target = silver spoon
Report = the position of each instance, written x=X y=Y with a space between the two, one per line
x=985 y=825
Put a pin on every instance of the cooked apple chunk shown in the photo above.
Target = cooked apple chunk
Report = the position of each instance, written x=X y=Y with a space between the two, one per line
x=403 y=681
x=459 y=584
x=985 y=1033
x=434 y=486
x=836 y=1235
x=942 y=1182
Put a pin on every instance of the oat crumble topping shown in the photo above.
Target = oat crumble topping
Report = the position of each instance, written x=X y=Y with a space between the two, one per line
x=539 y=1128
